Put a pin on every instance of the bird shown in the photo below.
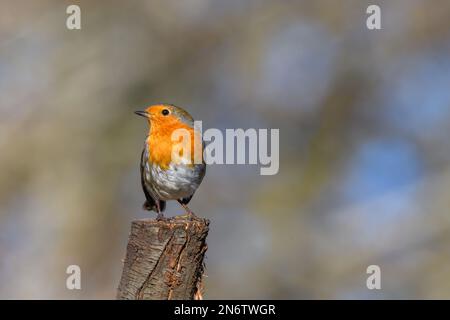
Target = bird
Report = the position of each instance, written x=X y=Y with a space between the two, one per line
x=170 y=168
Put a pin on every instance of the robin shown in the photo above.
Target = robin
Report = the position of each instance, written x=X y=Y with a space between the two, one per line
x=171 y=168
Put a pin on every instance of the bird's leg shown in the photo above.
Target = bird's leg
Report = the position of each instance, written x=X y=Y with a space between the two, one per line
x=160 y=216
x=190 y=214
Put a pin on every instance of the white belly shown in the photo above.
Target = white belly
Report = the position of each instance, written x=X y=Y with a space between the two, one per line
x=176 y=182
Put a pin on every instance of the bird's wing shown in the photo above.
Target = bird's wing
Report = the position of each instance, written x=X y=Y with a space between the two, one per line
x=150 y=201
x=202 y=169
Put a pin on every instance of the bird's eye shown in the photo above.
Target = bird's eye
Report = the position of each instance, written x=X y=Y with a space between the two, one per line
x=165 y=112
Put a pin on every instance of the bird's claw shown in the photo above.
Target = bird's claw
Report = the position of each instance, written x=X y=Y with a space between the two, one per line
x=192 y=216
x=188 y=216
x=160 y=217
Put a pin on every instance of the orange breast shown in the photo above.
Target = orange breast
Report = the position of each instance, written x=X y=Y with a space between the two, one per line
x=162 y=147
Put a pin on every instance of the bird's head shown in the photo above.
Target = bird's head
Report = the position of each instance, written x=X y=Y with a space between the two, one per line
x=164 y=121
x=166 y=115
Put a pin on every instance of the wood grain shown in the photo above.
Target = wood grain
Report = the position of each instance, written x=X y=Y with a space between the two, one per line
x=164 y=260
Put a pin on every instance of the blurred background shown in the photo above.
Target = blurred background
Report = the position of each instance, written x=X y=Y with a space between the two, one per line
x=364 y=119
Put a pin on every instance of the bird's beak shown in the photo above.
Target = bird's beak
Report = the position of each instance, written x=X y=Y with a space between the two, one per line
x=142 y=114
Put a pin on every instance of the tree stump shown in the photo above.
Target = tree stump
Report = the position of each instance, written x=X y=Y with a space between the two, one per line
x=164 y=260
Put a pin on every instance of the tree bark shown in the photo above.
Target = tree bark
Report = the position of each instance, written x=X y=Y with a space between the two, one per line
x=164 y=260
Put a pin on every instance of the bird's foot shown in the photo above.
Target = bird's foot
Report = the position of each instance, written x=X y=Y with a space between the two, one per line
x=192 y=216
x=160 y=217
x=189 y=215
